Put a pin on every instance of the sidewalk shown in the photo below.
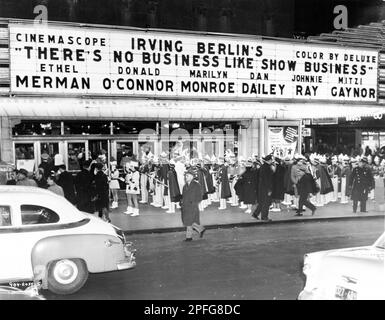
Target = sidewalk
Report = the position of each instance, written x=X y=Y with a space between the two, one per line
x=153 y=220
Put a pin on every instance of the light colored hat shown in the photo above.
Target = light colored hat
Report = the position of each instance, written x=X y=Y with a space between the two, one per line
x=133 y=163
x=163 y=155
x=45 y=156
x=383 y=162
x=207 y=158
x=323 y=159
x=364 y=159
x=172 y=162
x=213 y=158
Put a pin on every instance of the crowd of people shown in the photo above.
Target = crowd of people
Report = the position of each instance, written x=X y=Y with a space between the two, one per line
x=258 y=185
x=262 y=184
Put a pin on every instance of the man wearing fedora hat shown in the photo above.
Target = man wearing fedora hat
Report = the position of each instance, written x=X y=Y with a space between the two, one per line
x=191 y=197
x=361 y=182
x=22 y=179
x=265 y=188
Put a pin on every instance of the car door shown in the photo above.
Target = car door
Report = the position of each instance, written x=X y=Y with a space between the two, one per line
x=10 y=243
x=32 y=222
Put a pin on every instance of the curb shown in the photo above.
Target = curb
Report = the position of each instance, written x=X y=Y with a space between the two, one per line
x=251 y=224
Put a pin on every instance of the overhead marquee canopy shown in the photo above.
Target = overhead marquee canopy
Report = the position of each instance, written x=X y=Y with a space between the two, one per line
x=150 y=109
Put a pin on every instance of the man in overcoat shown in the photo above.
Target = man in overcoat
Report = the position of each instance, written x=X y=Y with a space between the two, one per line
x=265 y=188
x=66 y=181
x=191 y=197
x=362 y=182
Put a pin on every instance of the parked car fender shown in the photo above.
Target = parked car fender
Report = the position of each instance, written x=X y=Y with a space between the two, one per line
x=100 y=252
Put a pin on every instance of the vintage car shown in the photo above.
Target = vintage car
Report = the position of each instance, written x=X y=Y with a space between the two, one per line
x=345 y=274
x=46 y=240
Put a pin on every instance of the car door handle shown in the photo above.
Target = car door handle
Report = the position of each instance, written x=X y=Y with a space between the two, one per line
x=109 y=243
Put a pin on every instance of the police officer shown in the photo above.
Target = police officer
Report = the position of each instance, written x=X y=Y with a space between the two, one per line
x=362 y=182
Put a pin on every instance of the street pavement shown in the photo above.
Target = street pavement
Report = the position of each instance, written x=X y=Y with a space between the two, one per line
x=153 y=219
x=263 y=262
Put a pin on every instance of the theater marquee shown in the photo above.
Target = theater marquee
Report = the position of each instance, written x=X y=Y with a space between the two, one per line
x=96 y=61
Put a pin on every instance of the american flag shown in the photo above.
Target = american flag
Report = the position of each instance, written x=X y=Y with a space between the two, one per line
x=291 y=134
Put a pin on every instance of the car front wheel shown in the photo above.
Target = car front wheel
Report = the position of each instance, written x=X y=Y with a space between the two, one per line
x=66 y=276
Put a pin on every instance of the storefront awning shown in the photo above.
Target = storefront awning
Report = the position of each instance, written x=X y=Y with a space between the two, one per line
x=148 y=109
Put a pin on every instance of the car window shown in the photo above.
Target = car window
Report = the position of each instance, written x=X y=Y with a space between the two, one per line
x=32 y=214
x=5 y=216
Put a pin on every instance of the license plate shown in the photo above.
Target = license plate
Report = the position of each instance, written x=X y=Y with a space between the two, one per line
x=345 y=293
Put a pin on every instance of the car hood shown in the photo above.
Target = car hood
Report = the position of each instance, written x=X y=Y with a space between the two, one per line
x=367 y=253
x=361 y=269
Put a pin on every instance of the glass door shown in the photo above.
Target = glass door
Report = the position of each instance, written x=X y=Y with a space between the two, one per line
x=25 y=155
x=76 y=152
x=146 y=148
x=122 y=150
x=47 y=150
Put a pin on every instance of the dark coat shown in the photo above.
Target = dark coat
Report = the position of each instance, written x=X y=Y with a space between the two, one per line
x=287 y=183
x=278 y=192
x=66 y=181
x=201 y=177
x=84 y=190
x=102 y=191
x=173 y=185
x=191 y=197
x=42 y=183
x=361 y=182
x=47 y=167
x=209 y=179
x=306 y=185
x=163 y=176
x=246 y=187
x=347 y=172
x=326 y=182
x=224 y=180
x=265 y=182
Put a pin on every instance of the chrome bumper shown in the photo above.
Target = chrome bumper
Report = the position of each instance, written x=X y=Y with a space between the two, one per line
x=130 y=261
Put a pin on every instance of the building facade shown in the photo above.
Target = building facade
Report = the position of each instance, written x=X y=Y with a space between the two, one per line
x=76 y=89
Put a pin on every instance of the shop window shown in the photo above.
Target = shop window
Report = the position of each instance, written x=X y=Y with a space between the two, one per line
x=124 y=152
x=48 y=150
x=32 y=214
x=37 y=128
x=24 y=151
x=187 y=126
x=146 y=148
x=5 y=216
x=133 y=127
x=97 y=148
x=86 y=127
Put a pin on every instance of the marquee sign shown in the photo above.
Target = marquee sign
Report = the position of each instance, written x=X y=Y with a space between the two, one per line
x=99 y=61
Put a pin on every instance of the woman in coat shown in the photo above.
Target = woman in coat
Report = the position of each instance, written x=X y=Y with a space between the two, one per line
x=173 y=187
x=102 y=192
x=191 y=197
x=224 y=185
x=278 y=193
x=306 y=186
x=247 y=186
